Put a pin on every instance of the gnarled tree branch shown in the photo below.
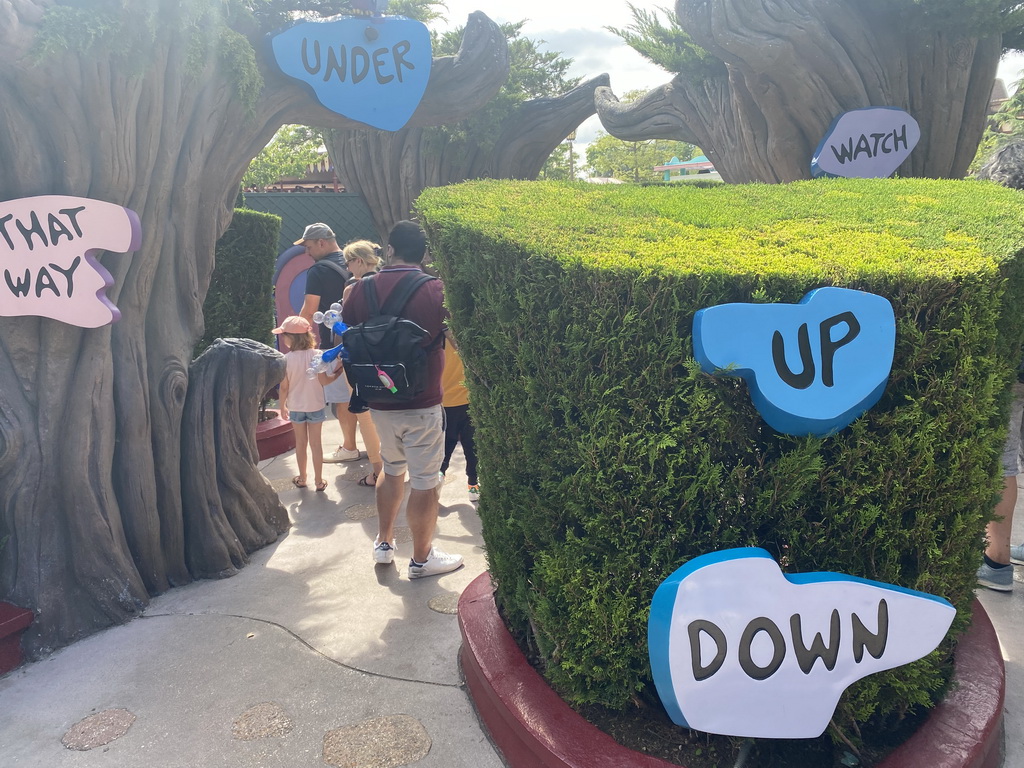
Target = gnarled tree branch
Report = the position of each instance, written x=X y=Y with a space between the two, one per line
x=793 y=66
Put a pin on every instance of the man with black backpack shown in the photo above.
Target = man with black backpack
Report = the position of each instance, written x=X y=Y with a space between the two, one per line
x=396 y=322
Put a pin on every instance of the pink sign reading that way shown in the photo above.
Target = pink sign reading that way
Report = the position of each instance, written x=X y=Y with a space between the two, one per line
x=48 y=249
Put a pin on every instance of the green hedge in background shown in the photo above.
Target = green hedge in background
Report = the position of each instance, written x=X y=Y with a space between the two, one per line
x=608 y=459
x=240 y=302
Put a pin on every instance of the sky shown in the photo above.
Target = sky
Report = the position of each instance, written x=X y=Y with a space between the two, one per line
x=577 y=30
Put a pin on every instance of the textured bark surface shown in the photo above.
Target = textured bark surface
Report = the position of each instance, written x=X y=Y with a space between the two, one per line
x=91 y=428
x=233 y=511
x=792 y=66
x=391 y=169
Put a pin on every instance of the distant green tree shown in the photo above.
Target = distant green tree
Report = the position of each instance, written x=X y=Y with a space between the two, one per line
x=633 y=160
x=666 y=45
x=1005 y=125
x=292 y=150
x=421 y=10
x=562 y=164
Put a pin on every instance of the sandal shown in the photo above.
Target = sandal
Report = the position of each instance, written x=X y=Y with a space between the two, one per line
x=321 y=486
x=370 y=481
x=296 y=483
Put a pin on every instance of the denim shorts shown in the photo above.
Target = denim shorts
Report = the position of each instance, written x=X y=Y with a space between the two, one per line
x=313 y=417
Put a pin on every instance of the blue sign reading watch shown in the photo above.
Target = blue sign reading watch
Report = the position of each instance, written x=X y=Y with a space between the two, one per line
x=812 y=367
x=374 y=70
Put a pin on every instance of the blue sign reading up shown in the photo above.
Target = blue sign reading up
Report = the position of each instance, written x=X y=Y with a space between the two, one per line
x=371 y=70
x=812 y=367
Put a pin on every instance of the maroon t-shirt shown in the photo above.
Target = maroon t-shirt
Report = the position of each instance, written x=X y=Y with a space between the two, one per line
x=425 y=308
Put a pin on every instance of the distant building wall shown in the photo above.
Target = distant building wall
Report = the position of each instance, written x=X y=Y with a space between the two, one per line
x=345 y=213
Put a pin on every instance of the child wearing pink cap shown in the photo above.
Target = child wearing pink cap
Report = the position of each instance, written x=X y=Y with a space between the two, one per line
x=302 y=398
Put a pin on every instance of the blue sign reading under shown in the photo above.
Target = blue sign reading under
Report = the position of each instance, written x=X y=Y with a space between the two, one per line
x=371 y=70
x=812 y=367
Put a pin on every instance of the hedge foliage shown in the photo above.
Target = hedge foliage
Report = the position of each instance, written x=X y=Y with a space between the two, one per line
x=608 y=459
x=240 y=302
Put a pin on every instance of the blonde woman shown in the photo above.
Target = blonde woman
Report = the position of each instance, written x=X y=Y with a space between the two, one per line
x=362 y=258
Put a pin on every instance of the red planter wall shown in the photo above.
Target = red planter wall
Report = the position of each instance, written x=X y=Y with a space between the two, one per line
x=274 y=437
x=13 y=622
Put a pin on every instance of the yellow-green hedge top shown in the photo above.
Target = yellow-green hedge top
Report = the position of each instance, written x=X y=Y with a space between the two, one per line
x=839 y=228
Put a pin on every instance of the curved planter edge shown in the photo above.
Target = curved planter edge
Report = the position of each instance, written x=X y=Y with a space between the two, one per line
x=532 y=727
x=274 y=437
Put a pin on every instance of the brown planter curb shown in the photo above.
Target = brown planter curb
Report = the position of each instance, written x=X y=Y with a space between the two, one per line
x=13 y=622
x=274 y=437
x=532 y=727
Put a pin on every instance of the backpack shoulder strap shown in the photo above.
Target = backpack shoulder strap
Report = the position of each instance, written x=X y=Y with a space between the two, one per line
x=403 y=291
x=337 y=268
x=370 y=291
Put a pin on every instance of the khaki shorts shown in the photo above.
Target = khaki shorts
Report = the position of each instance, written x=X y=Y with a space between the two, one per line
x=412 y=441
x=1012 y=463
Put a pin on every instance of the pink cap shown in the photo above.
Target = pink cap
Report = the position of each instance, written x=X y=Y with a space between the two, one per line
x=294 y=324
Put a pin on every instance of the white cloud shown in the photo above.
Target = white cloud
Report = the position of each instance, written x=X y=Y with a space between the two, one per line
x=1011 y=69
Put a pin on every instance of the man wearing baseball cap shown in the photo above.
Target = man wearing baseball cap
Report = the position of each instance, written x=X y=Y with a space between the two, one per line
x=325 y=283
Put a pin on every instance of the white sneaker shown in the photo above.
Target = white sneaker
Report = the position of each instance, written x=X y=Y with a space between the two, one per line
x=1017 y=554
x=437 y=563
x=383 y=551
x=343 y=454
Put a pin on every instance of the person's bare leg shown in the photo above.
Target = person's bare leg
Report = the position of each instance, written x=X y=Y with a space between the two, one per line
x=421 y=513
x=347 y=422
x=390 y=490
x=301 y=440
x=316 y=447
x=371 y=441
x=998 y=532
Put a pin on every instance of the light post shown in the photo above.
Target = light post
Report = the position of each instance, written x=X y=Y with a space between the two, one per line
x=572 y=156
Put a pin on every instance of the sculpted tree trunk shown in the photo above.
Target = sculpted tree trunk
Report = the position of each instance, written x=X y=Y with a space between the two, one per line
x=91 y=434
x=226 y=384
x=391 y=169
x=788 y=68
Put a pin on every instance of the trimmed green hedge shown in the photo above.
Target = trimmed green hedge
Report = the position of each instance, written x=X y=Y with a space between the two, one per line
x=608 y=459
x=240 y=302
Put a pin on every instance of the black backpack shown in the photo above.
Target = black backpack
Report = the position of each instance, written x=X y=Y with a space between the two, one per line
x=386 y=360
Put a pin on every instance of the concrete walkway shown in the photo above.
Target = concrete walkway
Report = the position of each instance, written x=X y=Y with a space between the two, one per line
x=311 y=655
x=1006 y=609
